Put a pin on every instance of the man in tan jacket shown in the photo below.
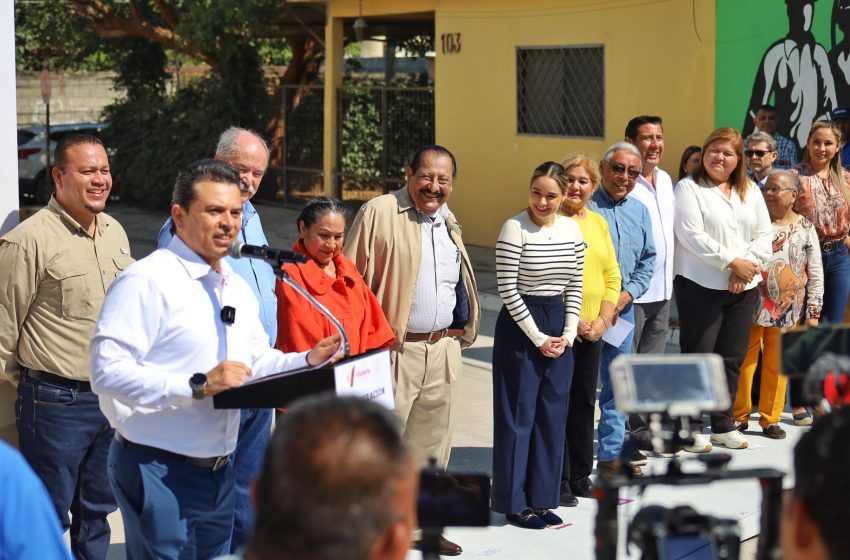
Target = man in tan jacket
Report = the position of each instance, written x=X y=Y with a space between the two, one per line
x=408 y=247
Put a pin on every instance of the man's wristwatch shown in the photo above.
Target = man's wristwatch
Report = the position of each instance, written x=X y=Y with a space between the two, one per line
x=198 y=383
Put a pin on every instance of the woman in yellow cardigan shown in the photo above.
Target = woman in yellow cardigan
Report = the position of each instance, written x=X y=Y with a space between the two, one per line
x=601 y=283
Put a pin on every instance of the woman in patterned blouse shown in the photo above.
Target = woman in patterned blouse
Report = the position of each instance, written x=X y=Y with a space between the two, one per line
x=824 y=202
x=794 y=268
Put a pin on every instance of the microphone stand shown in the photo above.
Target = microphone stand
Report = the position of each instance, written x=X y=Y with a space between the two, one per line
x=287 y=279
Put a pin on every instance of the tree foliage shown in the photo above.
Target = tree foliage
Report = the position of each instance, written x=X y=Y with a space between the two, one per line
x=154 y=132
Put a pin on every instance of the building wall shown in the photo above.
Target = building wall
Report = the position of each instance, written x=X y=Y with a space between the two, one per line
x=654 y=64
x=659 y=59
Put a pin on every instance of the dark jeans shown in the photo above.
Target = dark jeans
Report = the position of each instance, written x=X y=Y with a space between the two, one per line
x=65 y=438
x=715 y=321
x=578 y=447
x=255 y=427
x=836 y=288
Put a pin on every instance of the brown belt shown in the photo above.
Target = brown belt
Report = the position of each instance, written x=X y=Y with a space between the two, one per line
x=433 y=336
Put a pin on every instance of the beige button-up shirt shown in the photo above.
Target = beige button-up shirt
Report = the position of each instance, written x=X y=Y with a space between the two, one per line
x=53 y=278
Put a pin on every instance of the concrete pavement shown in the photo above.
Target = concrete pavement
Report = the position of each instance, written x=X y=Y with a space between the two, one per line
x=472 y=444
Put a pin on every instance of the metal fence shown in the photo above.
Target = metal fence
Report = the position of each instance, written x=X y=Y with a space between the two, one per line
x=379 y=128
x=300 y=176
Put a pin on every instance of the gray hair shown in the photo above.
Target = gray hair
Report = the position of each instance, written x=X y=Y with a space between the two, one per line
x=621 y=147
x=759 y=137
x=227 y=142
x=793 y=179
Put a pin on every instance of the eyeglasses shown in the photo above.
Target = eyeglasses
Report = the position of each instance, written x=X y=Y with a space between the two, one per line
x=632 y=172
x=757 y=153
x=773 y=191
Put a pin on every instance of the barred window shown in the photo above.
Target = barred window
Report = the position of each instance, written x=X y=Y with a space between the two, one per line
x=561 y=91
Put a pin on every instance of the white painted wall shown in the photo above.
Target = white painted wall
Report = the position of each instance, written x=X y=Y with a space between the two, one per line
x=8 y=178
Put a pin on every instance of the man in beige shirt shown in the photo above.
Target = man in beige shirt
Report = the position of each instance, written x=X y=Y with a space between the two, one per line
x=55 y=269
x=407 y=246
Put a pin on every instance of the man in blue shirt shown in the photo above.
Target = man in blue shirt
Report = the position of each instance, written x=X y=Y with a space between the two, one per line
x=631 y=233
x=29 y=527
x=245 y=151
x=841 y=118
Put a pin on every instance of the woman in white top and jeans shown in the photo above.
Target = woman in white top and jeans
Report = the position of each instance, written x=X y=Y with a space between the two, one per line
x=723 y=238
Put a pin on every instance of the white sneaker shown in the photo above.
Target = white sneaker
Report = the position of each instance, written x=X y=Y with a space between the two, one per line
x=732 y=440
x=701 y=445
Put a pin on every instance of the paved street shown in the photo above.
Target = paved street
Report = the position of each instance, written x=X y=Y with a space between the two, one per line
x=472 y=444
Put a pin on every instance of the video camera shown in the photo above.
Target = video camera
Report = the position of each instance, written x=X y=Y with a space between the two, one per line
x=820 y=357
x=450 y=500
x=671 y=390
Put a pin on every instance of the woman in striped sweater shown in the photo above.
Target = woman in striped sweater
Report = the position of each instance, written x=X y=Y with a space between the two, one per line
x=539 y=264
x=601 y=288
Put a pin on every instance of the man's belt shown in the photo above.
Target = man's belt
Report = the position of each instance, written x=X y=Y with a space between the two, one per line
x=830 y=245
x=433 y=336
x=214 y=463
x=58 y=380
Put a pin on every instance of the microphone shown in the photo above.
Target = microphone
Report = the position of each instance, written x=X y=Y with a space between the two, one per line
x=274 y=257
x=828 y=378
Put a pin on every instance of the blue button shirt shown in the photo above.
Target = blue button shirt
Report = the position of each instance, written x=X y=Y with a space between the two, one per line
x=257 y=273
x=631 y=232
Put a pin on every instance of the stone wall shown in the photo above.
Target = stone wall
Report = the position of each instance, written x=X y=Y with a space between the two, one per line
x=76 y=97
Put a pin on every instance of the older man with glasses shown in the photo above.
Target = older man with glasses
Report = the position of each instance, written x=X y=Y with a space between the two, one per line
x=760 y=155
x=631 y=233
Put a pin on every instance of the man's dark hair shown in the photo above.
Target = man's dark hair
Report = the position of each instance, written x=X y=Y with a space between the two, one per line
x=328 y=478
x=432 y=149
x=634 y=125
x=821 y=481
x=202 y=170
x=60 y=155
x=766 y=107
x=318 y=207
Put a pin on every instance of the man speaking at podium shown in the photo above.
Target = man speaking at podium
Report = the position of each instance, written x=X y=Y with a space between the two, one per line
x=176 y=328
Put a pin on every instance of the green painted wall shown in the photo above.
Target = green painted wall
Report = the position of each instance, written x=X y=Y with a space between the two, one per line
x=745 y=30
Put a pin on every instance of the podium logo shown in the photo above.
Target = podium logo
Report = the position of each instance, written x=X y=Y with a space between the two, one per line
x=354 y=374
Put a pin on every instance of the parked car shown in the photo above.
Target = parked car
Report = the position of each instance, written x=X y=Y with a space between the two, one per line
x=33 y=174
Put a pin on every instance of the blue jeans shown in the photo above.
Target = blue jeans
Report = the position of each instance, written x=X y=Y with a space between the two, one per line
x=254 y=430
x=170 y=509
x=65 y=438
x=612 y=424
x=836 y=285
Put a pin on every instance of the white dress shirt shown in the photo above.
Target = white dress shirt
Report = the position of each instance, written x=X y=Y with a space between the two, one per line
x=659 y=201
x=161 y=323
x=712 y=231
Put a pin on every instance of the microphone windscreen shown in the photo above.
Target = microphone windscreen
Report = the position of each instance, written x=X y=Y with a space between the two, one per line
x=234 y=250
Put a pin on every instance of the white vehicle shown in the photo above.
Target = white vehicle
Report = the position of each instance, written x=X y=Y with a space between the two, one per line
x=32 y=157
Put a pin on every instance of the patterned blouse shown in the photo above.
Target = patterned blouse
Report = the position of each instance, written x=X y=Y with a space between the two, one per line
x=794 y=267
x=823 y=204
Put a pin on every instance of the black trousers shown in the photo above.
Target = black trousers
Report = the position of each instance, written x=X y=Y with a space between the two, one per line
x=715 y=321
x=578 y=446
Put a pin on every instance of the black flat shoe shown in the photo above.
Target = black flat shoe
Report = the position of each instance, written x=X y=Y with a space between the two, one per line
x=583 y=488
x=548 y=516
x=568 y=499
x=526 y=519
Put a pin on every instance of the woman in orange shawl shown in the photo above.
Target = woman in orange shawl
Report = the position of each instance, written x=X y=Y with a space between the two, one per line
x=333 y=280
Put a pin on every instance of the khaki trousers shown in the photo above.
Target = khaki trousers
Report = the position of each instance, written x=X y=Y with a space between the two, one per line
x=424 y=382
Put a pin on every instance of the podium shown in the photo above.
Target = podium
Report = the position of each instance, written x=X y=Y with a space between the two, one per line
x=368 y=376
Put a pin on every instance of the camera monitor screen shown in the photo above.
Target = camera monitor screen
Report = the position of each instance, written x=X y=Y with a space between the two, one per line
x=681 y=385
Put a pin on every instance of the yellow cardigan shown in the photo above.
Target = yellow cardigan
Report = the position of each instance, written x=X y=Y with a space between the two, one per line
x=602 y=280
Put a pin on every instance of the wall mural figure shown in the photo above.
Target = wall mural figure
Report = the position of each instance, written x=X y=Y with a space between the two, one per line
x=795 y=71
x=839 y=56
